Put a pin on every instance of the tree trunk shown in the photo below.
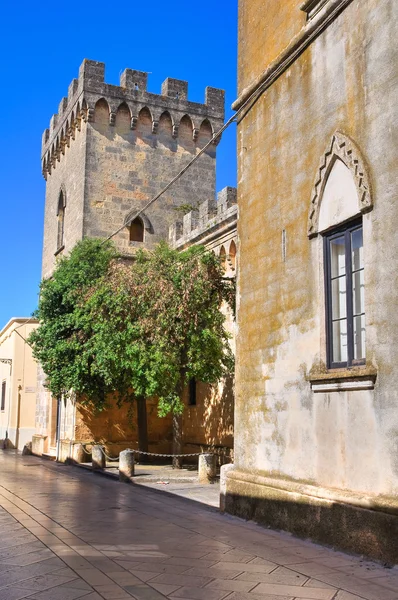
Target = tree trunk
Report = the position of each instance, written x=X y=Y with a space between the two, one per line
x=177 y=440
x=142 y=428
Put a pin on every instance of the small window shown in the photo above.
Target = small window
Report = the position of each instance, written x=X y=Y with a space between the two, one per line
x=137 y=230
x=232 y=255
x=345 y=296
x=3 y=395
x=192 y=392
x=61 y=221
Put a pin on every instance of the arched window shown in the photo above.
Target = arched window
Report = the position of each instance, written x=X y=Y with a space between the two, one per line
x=61 y=220
x=341 y=221
x=232 y=254
x=137 y=230
x=223 y=258
x=340 y=196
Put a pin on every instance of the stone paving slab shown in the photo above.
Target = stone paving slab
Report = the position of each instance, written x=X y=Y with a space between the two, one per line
x=179 y=482
x=67 y=534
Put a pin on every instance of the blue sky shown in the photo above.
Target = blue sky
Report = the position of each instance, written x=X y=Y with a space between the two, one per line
x=41 y=46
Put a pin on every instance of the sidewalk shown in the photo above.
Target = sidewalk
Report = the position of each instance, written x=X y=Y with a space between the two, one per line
x=180 y=482
x=69 y=534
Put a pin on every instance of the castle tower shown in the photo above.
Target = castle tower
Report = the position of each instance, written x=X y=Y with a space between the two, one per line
x=110 y=149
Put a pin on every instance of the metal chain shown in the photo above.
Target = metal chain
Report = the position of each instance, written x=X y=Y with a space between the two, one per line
x=106 y=456
x=148 y=454
x=167 y=455
x=110 y=458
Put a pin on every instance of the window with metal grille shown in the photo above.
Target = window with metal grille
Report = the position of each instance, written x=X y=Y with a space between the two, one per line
x=345 y=296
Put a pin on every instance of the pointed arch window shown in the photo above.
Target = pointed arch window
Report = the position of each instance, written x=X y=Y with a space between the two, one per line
x=223 y=258
x=344 y=267
x=137 y=230
x=61 y=220
x=232 y=255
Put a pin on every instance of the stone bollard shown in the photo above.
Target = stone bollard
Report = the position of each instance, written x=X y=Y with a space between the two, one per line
x=207 y=468
x=224 y=470
x=97 y=458
x=78 y=454
x=126 y=465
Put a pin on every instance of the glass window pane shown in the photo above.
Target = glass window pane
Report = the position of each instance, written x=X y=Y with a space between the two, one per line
x=359 y=337
x=340 y=341
x=358 y=293
x=357 y=249
x=339 y=298
x=337 y=256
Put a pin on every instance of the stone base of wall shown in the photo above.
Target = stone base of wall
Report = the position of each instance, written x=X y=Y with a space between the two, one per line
x=39 y=444
x=355 y=523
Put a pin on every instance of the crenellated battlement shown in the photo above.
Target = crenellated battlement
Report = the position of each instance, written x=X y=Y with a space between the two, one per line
x=84 y=94
x=210 y=218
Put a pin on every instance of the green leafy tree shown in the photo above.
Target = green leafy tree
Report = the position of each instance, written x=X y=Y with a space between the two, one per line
x=60 y=342
x=139 y=329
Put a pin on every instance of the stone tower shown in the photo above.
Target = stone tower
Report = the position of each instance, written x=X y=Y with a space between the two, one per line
x=110 y=149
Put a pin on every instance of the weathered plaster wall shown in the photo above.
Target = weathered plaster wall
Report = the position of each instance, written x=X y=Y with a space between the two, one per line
x=265 y=29
x=346 y=80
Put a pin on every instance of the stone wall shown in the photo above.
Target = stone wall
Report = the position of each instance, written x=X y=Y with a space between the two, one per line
x=116 y=428
x=113 y=148
x=209 y=424
x=69 y=177
x=310 y=442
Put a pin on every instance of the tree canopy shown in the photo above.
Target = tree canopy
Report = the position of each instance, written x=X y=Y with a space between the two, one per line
x=134 y=329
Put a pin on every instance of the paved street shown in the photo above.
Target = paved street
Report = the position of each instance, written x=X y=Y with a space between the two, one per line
x=67 y=533
x=180 y=482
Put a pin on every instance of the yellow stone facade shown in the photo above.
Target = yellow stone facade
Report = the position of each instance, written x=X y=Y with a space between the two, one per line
x=315 y=445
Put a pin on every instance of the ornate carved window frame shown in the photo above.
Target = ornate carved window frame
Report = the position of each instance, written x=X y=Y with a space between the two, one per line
x=342 y=147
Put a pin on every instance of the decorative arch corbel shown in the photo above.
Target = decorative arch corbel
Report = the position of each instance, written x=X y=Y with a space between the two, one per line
x=132 y=215
x=341 y=147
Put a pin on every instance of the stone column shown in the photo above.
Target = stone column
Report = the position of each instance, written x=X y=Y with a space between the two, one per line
x=224 y=470
x=97 y=458
x=207 y=468
x=126 y=465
